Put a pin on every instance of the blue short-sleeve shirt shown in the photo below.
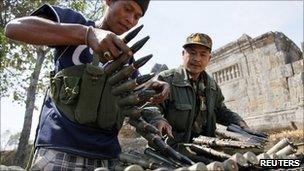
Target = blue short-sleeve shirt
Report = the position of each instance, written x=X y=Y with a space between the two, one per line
x=66 y=56
x=55 y=130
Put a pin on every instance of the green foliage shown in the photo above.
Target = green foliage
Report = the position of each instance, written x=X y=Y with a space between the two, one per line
x=18 y=8
x=13 y=139
x=7 y=157
x=91 y=9
x=18 y=59
x=79 y=5
x=10 y=140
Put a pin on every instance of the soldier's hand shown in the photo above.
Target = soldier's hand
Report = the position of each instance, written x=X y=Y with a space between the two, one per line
x=105 y=42
x=243 y=124
x=163 y=88
x=164 y=127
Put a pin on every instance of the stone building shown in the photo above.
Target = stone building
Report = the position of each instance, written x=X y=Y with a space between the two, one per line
x=157 y=68
x=262 y=79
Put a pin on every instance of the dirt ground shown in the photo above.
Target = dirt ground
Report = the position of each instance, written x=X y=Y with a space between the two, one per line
x=130 y=140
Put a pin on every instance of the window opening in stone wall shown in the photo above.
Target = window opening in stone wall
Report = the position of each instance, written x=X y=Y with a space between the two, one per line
x=227 y=74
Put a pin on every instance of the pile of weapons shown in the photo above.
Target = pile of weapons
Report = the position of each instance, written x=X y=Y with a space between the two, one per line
x=284 y=149
x=132 y=97
x=210 y=158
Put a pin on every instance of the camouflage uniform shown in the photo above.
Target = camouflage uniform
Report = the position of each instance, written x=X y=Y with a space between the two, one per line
x=193 y=108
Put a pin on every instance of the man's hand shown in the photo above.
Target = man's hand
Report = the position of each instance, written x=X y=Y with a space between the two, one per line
x=163 y=88
x=164 y=127
x=243 y=124
x=102 y=41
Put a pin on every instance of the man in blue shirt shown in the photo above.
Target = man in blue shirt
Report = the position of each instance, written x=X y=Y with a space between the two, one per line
x=60 y=143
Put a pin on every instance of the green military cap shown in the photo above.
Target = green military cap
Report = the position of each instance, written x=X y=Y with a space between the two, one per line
x=199 y=39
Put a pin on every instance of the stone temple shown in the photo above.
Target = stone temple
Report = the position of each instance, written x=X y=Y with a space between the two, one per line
x=262 y=79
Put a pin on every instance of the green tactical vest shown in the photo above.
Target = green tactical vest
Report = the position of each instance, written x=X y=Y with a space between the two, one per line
x=82 y=94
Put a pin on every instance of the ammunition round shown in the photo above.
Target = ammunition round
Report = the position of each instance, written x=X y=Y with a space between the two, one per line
x=230 y=165
x=251 y=158
x=215 y=166
x=198 y=166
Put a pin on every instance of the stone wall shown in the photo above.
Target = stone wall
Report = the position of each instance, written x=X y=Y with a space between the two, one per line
x=262 y=79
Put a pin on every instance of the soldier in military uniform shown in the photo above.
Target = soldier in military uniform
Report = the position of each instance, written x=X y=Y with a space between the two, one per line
x=195 y=103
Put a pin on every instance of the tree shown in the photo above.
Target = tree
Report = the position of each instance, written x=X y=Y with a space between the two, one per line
x=5 y=136
x=30 y=104
x=13 y=140
x=21 y=64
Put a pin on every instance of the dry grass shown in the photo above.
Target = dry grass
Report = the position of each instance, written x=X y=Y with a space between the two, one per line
x=295 y=136
x=130 y=140
x=128 y=131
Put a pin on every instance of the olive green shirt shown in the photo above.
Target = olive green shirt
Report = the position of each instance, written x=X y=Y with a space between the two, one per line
x=185 y=110
x=199 y=121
